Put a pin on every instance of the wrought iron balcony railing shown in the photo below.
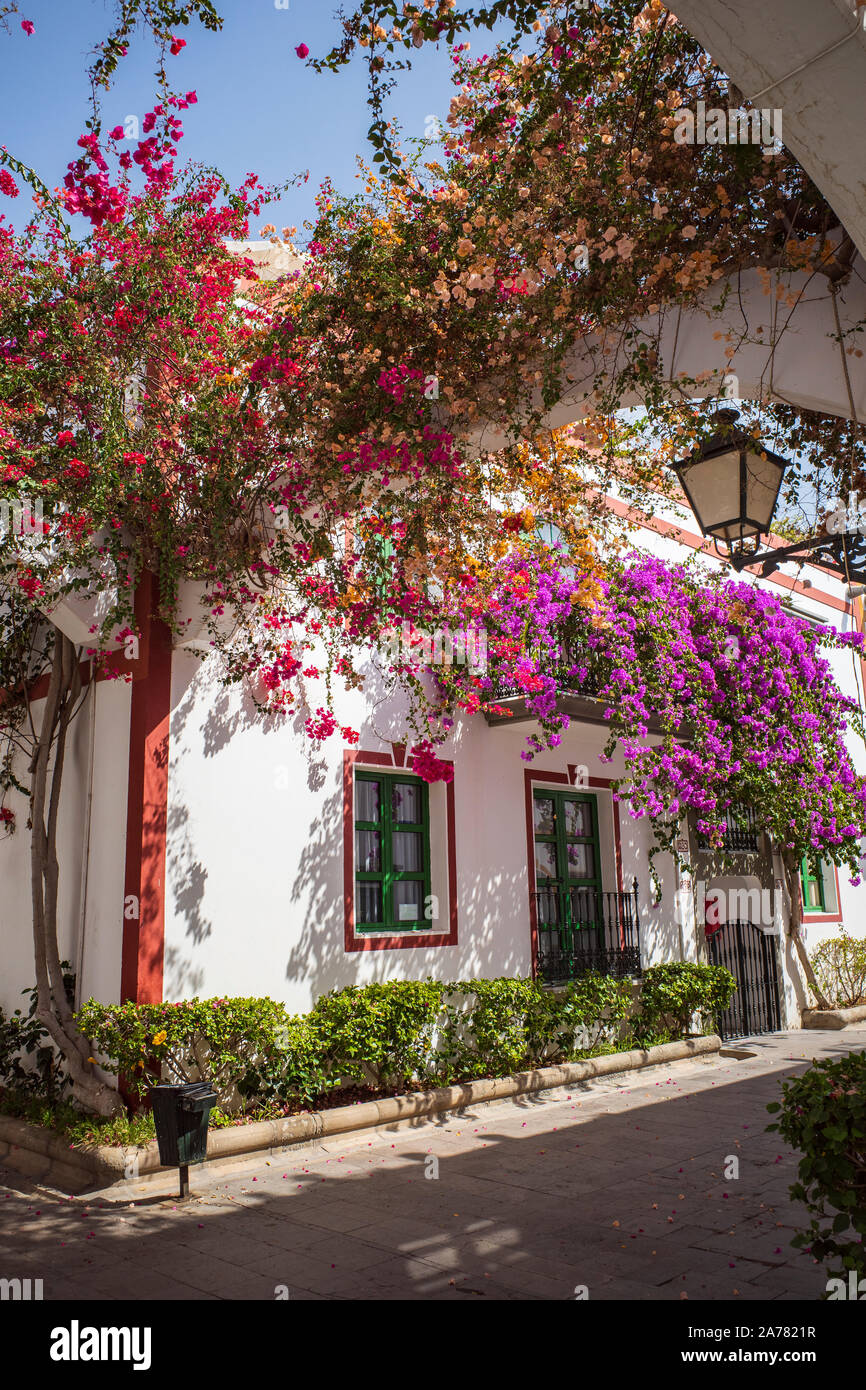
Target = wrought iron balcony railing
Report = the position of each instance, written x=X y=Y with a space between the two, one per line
x=570 y=656
x=742 y=831
x=581 y=929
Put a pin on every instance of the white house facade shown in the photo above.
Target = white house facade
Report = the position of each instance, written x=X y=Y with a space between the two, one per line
x=209 y=850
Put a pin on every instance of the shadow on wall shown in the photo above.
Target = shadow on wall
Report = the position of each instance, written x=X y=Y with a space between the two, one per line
x=318 y=955
x=229 y=712
x=492 y=875
x=492 y=898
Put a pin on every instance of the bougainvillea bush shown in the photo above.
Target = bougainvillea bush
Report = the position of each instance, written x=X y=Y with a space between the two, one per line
x=714 y=693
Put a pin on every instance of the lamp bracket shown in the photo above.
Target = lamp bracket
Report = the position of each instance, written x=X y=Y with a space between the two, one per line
x=844 y=554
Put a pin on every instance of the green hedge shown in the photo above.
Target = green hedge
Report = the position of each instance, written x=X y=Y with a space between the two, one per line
x=840 y=966
x=395 y=1034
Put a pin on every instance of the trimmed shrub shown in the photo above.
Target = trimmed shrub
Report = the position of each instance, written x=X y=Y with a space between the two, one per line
x=215 y=1040
x=823 y=1114
x=484 y=1032
x=380 y=1034
x=292 y=1068
x=840 y=968
x=393 y=1034
x=672 y=994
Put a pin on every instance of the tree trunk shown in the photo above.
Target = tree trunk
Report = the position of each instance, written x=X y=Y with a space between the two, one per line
x=792 y=882
x=52 y=1007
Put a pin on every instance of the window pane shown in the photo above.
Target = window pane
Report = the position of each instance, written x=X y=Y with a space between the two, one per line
x=408 y=902
x=406 y=851
x=407 y=803
x=368 y=856
x=544 y=818
x=814 y=895
x=369 y=898
x=545 y=860
x=578 y=818
x=366 y=800
x=581 y=861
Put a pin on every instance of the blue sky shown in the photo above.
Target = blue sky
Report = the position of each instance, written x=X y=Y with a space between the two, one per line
x=259 y=107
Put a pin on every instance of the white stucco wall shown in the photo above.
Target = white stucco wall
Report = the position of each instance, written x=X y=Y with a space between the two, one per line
x=103 y=913
x=255 y=850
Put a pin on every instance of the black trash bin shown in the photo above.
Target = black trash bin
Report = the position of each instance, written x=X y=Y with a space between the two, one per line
x=181 y=1115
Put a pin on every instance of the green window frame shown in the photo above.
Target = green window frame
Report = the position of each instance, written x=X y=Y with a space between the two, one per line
x=813 y=886
x=560 y=843
x=392 y=853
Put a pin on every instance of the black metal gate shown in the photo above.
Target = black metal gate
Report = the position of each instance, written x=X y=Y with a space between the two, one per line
x=751 y=956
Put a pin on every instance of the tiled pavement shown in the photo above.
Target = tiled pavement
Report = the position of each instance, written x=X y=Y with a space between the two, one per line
x=619 y=1187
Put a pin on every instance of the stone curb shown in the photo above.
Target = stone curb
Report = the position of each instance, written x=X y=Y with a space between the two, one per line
x=834 y=1018
x=46 y=1157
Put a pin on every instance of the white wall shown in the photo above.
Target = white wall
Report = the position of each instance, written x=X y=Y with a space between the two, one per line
x=255 y=850
x=104 y=892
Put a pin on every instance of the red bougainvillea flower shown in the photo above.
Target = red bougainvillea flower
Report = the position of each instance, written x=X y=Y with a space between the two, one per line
x=177 y=45
x=8 y=184
x=425 y=764
x=77 y=470
x=302 y=50
x=28 y=26
x=65 y=437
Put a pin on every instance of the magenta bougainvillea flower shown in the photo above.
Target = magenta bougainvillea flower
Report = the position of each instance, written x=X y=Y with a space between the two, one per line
x=713 y=692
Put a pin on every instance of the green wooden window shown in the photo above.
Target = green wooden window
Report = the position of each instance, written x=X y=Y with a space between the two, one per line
x=392 y=852
x=566 y=840
x=814 y=890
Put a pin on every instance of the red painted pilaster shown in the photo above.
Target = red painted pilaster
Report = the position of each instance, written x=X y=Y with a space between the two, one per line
x=141 y=971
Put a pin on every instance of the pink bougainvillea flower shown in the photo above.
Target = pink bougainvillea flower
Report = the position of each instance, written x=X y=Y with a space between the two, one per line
x=8 y=184
x=117 y=133
x=302 y=50
x=177 y=45
x=28 y=26
x=65 y=437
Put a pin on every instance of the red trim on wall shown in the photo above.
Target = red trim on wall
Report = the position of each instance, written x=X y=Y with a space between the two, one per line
x=141 y=971
x=351 y=942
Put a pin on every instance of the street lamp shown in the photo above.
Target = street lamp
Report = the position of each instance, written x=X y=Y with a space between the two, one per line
x=732 y=484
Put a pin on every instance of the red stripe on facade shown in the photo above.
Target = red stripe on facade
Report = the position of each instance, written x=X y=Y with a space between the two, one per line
x=688 y=539
x=141 y=970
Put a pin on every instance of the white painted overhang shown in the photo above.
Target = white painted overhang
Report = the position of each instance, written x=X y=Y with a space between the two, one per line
x=760 y=44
